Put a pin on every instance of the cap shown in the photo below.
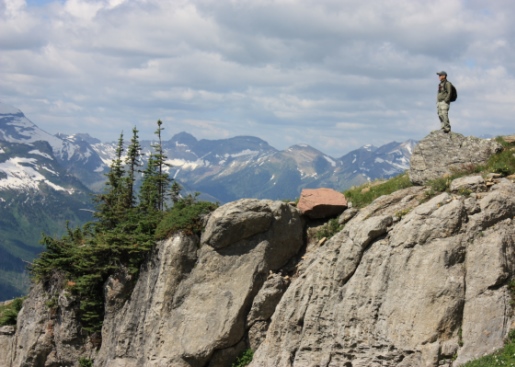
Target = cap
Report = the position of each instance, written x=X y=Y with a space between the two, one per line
x=442 y=73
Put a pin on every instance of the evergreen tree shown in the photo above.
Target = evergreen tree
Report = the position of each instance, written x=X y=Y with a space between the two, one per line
x=133 y=161
x=111 y=203
x=149 y=191
x=162 y=178
x=175 y=192
x=124 y=233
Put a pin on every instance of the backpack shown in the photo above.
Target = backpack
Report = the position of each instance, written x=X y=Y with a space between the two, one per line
x=454 y=93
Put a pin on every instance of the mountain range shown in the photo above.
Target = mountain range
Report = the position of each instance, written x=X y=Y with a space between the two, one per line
x=47 y=180
x=246 y=166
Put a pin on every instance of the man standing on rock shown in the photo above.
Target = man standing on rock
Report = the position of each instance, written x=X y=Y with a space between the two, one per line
x=443 y=101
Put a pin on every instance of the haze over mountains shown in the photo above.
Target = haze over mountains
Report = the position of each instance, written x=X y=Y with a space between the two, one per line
x=47 y=180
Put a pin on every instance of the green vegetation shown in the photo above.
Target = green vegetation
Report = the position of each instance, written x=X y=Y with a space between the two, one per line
x=504 y=162
x=9 y=312
x=363 y=195
x=27 y=214
x=126 y=226
x=85 y=362
x=503 y=357
x=329 y=229
x=244 y=359
x=186 y=215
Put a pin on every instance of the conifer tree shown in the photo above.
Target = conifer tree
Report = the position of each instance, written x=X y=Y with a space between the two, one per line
x=124 y=233
x=162 y=178
x=149 y=192
x=153 y=192
x=111 y=203
x=133 y=161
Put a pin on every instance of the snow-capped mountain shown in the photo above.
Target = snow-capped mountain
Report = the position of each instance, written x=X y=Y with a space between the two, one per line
x=73 y=153
x=37 y=194
x=245 y=166
x=47 y=180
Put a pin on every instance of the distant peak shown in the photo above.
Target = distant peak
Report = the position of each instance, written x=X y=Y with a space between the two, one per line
x=78 y=137
x=369 y=147
x=7 y=109
x=184 y=138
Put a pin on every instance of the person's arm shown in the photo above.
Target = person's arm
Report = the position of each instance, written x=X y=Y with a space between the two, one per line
x=448 y=89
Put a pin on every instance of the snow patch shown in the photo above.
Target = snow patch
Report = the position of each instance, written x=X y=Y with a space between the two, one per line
x=241 y=154
x=189 y=165
x=21 y=176
x=37 y=152
x=51 y=171
x=331 y=161
x=99 y=169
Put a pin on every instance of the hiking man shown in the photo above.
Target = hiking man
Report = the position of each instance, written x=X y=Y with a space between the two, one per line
x=443 y=101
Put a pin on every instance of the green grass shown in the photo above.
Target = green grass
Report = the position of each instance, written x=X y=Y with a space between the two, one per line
x=363 y=195
x=504 y=357
x=503 y=162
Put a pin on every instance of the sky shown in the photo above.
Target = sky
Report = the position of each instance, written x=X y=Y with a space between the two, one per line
x=335 y=74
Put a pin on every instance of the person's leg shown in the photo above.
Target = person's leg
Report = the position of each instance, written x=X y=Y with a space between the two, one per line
x=443 y=114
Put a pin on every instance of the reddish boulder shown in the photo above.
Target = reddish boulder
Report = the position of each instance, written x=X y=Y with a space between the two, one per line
x=321 y=203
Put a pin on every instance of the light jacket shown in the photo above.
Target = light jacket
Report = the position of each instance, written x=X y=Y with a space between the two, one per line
x=444 y=92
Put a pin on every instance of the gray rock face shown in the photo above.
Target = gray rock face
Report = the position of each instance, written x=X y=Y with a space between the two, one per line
x=189 y=306
x=440 y=154
x=470 y=184
x=6 y=344
x=423 y=291
x=263 y=308
x=48 y=332
x=409 y=281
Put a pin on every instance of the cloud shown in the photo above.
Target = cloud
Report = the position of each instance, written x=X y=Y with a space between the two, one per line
x=335 y=74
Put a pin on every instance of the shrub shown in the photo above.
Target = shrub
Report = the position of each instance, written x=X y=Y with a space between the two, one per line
x=9 y=312
x=329 y=229
x=441 y=184
x=184 y=216
x=244 y=359
x=85 y=362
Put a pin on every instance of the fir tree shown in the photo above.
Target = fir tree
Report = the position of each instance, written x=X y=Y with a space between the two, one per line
x=124 y=233
x=133 y=161
x=162 y=179
x=111 y=203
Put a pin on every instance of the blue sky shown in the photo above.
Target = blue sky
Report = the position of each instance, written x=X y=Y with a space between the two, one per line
x=333 y=74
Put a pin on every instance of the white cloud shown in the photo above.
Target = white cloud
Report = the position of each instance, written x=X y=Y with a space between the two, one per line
x=336 y=74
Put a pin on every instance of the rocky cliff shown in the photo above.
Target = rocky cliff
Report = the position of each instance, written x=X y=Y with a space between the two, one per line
x=410 y=280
